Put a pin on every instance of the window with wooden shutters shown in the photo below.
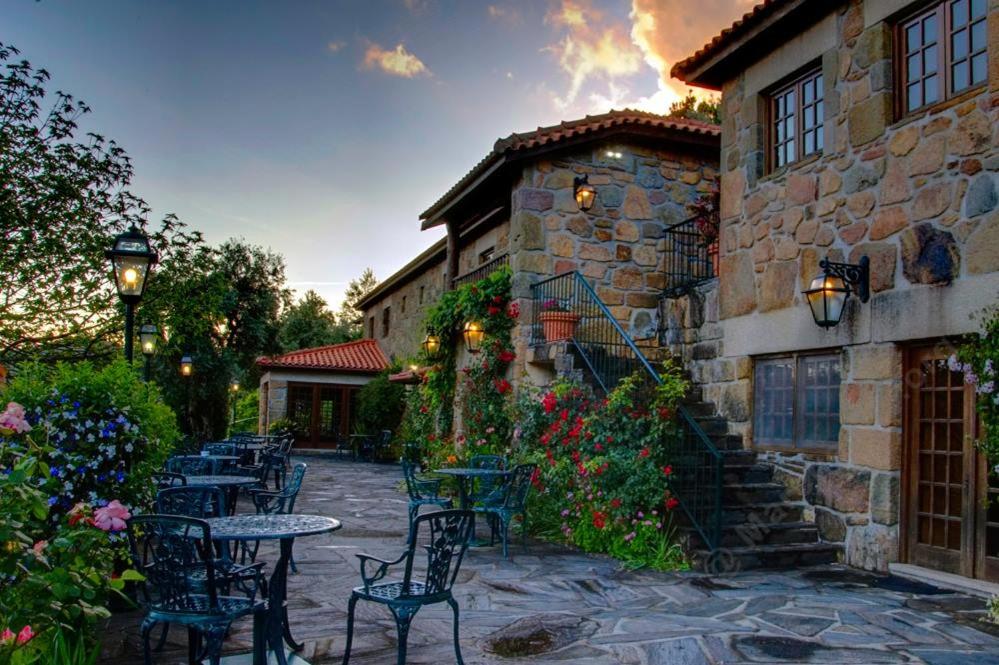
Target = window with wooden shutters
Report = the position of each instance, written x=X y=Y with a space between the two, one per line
x=943 y=52
x=796 y=113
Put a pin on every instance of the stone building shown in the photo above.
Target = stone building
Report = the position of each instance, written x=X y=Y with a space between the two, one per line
x=516 y=207
x=850 y=129
x=316 y=389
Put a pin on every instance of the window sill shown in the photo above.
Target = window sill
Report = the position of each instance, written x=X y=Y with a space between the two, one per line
x=939 y=107
x=820 y=454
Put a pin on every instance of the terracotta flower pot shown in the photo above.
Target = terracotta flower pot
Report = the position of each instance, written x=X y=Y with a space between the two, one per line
x=558 y=326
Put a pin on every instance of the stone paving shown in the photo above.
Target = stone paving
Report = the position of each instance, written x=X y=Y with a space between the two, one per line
x=579 y=609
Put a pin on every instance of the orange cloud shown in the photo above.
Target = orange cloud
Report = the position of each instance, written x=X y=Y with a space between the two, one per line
x=396 y=62
x=590 y=47
x=503 y=13
x=670 y=30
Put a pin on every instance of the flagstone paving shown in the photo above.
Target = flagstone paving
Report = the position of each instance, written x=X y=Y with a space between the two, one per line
x=554 y=605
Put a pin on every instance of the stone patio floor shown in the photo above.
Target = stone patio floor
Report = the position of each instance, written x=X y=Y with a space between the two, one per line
x=584 y=610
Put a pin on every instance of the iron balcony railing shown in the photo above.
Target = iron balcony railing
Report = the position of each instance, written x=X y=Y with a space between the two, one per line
x=482 y=271
x=690 y=259
x=611 y=355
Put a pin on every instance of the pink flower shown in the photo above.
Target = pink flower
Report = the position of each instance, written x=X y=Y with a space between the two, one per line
x=6 y=636
x=25 y=635
x=111 y=517
x=12 y=419
x=39 y=547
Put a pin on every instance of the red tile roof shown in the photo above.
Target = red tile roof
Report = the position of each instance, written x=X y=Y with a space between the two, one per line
x=363 y=355
x=591 y=125
x=748 y=21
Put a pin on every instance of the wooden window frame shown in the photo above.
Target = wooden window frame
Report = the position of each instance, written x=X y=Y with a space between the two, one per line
x=797 y=444
x=944 y=60
x=796 y=84
x=386 y=321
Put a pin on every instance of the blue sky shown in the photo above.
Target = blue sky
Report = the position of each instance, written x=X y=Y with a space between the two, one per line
x=322 y=129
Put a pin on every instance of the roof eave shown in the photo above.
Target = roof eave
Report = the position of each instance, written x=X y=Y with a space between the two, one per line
x=324 y=370
x=421 y=262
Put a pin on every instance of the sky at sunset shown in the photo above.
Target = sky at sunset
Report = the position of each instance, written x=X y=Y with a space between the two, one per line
x=323 y=129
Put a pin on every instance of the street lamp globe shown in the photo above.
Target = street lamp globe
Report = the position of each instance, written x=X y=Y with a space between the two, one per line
x=473 y=334
x=186 y=365
x=131 y=259
x=148 y=338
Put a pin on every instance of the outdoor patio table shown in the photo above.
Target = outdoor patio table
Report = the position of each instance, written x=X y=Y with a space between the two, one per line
x=465 y=476
x=284 y=528
x=229 y=484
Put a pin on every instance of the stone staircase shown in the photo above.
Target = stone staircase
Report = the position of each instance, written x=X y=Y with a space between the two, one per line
x=760 y=527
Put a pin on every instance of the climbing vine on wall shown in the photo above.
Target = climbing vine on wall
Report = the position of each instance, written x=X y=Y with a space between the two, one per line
x=484 y=388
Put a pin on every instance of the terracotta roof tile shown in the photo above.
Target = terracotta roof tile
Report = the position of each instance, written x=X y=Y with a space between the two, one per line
x=720 y=41
x=564 y=131
x=363 y=355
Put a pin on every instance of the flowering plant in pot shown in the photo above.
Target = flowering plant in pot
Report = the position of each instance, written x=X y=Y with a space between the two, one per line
x=557 y=322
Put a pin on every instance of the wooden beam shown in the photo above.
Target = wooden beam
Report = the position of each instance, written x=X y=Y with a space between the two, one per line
x=452 y=255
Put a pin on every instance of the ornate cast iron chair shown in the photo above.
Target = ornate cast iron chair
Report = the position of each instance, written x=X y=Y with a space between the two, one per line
x=487 y=486
x=500 y=510
x=176 y=557
x=449 y=533
x=165 y=479
x=422 y=492
x=277 y=502
x=192 y=465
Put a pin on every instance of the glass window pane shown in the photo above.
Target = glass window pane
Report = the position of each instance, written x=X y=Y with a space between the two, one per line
x=931 y=89
x=790 y=101
x=977 y=8
x=978 y=36
x=959 y=45
x=780 y=106
x=959 y=76
x=930 y=29
x=958 y=13
x=819 y=112
x=915 y=96
x=819 y=139
x=789 y=153
x=914 y=69
x=818 y=87
x=773 y=389
x=913 y=39
x=979 y=67
x=808 y=92
x=930 y=60
x=809 y=139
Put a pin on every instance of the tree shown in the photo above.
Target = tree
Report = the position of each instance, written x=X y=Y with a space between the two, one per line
x=690 y=107
x=351 y=319
x=309 y=323
x=62 y=201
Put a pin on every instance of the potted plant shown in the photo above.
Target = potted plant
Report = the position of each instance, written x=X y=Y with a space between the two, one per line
x=706 y=220
x=557 y=322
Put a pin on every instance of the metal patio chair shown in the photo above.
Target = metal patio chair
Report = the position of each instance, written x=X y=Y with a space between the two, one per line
x=449 y=533
x=422 y=492
x=165 y=479
x=277 y=502
x=512 y=501
x=192 y=465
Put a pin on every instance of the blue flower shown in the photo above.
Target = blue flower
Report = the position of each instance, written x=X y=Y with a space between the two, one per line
x=53 y=500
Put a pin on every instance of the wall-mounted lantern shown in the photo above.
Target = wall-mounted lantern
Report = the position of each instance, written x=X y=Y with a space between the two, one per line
x=474 y=334
x=186 y=365
x=828 y=292
x=431 y=345
x=584 y=193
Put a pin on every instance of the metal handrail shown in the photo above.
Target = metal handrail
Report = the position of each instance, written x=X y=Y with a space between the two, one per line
x=610 y=355
x=482 y=271
x=688 y=261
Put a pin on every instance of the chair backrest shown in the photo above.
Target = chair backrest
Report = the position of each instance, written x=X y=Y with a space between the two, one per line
x=196 y=501
x=165 y=479
x=385 y=437
x=487 y=462
x=220 y=448
x=175 y=556
x=518 y=486
x=448 y=533
x=192 y=465
x=412 y=486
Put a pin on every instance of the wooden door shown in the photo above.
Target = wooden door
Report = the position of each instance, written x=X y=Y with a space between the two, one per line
x=948 y=525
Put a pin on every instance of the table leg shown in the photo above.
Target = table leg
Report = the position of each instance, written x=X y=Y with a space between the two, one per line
x=277 y=630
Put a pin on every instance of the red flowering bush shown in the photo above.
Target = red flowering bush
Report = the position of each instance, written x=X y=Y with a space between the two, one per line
x=605 y=481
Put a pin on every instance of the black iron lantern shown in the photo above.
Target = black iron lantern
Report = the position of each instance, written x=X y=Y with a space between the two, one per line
x=131 y=259
x=148 y=338
x=584 y=193
x=186 y=365
x=473 y=334
x=431 y=345
x=829 y=291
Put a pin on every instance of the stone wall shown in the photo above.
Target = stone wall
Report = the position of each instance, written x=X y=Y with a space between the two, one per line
x=406 y=319
x=918 y=195
x=618 y=245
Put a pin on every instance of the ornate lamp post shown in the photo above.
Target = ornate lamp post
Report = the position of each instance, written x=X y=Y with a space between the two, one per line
x=186 y=365
x=431 y=345
x=131 y=259
x=828 y=292
x=148 y=337
x=584 y=193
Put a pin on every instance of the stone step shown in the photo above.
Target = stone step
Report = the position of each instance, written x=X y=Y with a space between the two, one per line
x=762 y=513
x=736 y=457
x=700 y=409
x=713 y=426
x=725 y=560
x=741 y=494
x=748 y=535
x=752 y=473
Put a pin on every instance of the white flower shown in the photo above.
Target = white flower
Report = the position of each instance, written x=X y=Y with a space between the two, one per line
x=953 y=363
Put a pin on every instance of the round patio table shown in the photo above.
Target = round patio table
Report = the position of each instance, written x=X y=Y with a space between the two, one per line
x=284 y=528
x=229 y=484
x=465 y=476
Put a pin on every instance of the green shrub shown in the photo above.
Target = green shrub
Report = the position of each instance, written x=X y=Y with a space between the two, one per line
x=107 y=432
x=280 y=426
x=380 y=404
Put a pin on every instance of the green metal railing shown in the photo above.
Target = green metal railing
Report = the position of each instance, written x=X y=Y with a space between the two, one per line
x=482 y=271
x=610 y=355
